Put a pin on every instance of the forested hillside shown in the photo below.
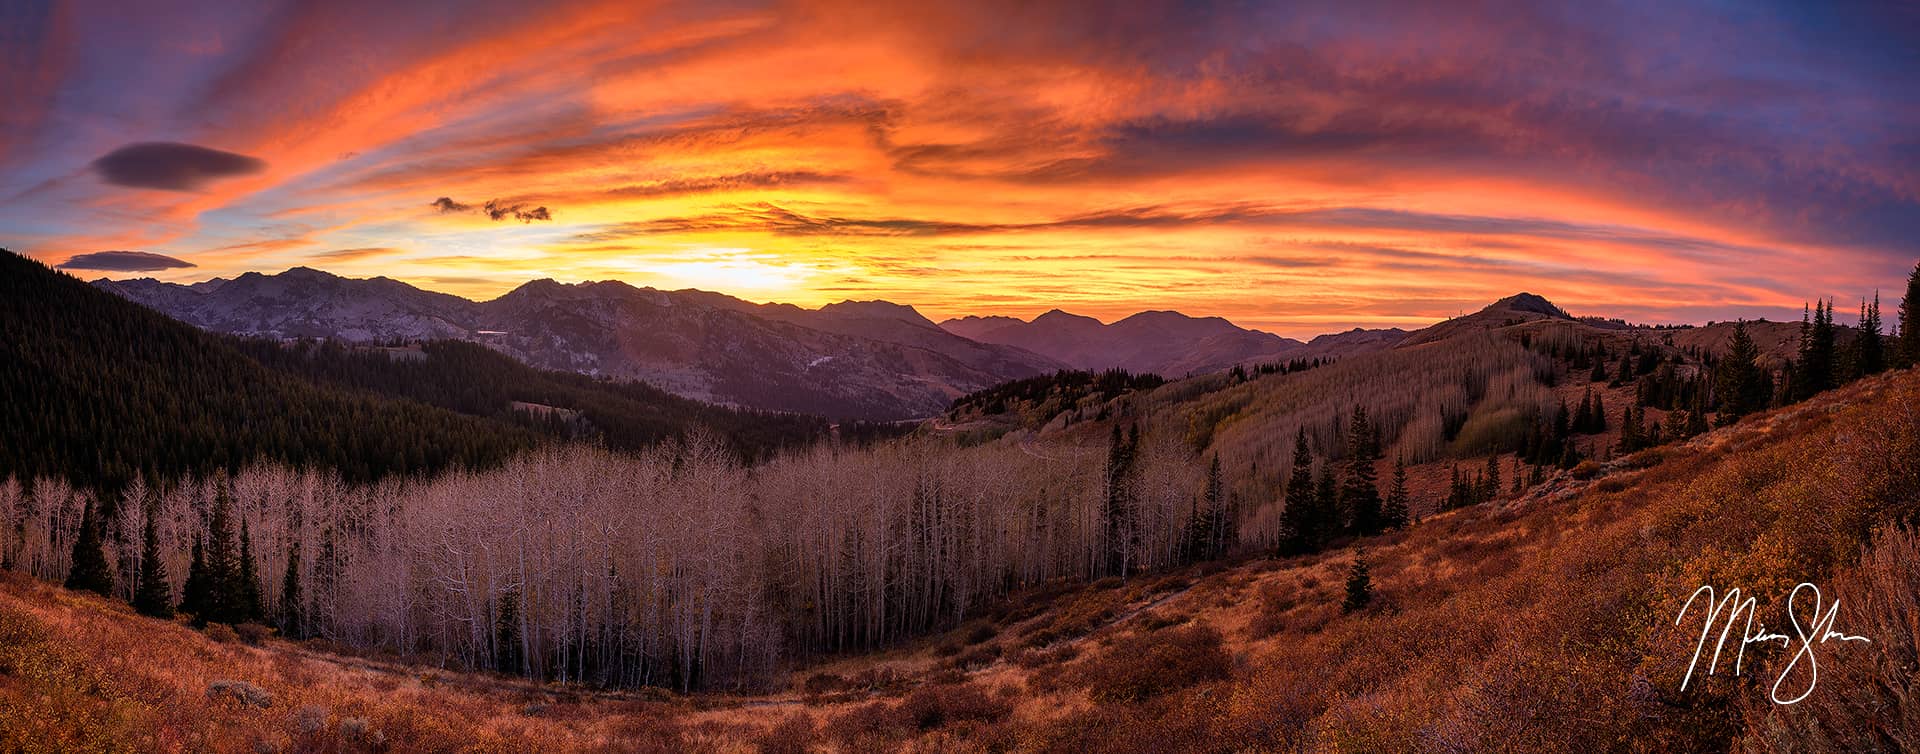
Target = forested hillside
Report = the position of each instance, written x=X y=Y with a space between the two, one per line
x=680 y=566
x=472 y=379
x=1518 y=626
x=99 y=390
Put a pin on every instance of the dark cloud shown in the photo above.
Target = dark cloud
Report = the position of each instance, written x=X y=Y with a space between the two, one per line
x=124 y=261
x=496 y=210
x=171 y=166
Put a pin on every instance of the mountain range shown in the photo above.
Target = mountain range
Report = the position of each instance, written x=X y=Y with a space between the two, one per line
x=874 y=360
x=867 y=360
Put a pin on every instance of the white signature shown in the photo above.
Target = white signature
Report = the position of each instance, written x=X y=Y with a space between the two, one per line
x=1818 y=631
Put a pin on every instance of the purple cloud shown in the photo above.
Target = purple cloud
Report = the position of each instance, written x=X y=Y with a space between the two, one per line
x=171 y=166
x=124 y=261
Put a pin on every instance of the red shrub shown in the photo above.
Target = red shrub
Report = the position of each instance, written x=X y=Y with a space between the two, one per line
x=1144 y=665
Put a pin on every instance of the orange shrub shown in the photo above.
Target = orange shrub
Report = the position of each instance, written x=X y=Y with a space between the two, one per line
x=1144 y=665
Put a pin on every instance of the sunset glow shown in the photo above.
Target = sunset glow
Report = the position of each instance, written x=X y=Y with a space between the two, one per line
x=1294 y=169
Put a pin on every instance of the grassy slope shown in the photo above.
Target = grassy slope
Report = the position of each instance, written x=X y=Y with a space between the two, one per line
x=1518 y=626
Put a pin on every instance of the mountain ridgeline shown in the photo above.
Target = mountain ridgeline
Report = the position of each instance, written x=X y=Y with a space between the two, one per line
x=471 y=379
x=100 y=390
x=869 y=360
x=850 y=361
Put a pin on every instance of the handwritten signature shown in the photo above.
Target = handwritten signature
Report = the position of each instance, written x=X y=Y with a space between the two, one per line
x=1817 y=632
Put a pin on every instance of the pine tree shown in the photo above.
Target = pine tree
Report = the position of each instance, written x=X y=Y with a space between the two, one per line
x=1815 y=370
x=90 y=571
x=222 y=597
x=1697 y=416
x=1209 y=531
x=1117 y=511
x=1630 y=429
x=1869 y=354
x=1224 y=516
x=1297 y=534
x=1363 y=437
x=507 y=655
x=1743 y=387
x=1491 y=482
x=1909 y=321
x=154 y=595
x=290 y=594
x=1359 y=585
x=1359 y=494
x=196 y=596
x=1329 y=519
x=248 y=604
x=1676 y=425
x=1395 y=514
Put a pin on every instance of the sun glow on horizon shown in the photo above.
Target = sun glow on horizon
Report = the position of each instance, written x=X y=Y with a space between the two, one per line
x=1271 y=166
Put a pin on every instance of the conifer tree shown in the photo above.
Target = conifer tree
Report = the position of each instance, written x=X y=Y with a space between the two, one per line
x=1297 y=533
x=1359 y=494
x=1630 y=429
x=154 y=595
x=1210 y=531
x=1117 y=511
x=290 y=612
x=1697 y=416
x=1675 y=426
x=247 y=606
x=1815 y=370
x=1396 y=513
x=1909 y=321
x=1330 y=520
x=1742 y=386
x=1359 y=585
x=1869 y=355
x=1225 y=513
x=222 y=593
x=196 y=595
x=507 y=655
x=1491 y=481
x=90 y=571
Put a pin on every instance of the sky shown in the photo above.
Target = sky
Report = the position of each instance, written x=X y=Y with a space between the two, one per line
x=1297 y=167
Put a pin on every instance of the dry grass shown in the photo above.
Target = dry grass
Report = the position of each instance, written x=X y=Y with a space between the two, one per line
x=1519 y=626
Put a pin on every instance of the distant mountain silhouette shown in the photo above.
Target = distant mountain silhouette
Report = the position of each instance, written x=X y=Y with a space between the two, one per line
x=1161 y=342
x=866 y=360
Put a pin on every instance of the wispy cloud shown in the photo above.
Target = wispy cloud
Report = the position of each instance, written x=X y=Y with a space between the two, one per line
x=1336 y=154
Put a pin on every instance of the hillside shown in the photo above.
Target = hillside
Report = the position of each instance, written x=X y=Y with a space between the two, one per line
x=1166 y=343
x=867 y=360
x=1518 y=625
x=474 y=380
x=99 y=390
